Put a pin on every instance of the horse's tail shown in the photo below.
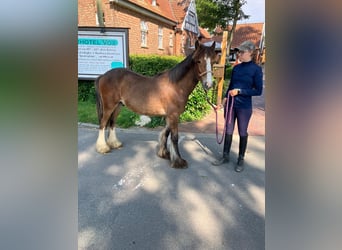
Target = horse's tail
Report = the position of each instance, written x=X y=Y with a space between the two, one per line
x=99 y=104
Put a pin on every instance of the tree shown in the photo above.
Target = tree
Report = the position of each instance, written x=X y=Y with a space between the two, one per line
x=236 y=15
x=209 y=14
x=223 y=13
x=219 y=12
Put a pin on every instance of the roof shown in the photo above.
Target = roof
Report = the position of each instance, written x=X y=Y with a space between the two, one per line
x=204 y=33
x=243 y=32
x=162 y=7
x=248 y=31
x=179 y=10
x=174 y=10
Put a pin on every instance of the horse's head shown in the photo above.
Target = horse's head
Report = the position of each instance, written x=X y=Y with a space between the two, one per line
x=205 y=57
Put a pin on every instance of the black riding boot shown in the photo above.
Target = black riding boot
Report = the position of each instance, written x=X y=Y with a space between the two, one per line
x=226 y=150
x=242 y=149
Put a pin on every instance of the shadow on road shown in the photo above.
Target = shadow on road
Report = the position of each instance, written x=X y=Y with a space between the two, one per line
x=131 y=199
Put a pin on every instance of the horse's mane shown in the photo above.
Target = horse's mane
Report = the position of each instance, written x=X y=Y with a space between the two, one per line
x=177 y=72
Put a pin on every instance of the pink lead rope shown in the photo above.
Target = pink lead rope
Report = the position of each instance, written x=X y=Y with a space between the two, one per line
x=219 y=141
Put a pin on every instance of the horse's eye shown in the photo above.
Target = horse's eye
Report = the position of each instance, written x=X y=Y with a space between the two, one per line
x=198 y=61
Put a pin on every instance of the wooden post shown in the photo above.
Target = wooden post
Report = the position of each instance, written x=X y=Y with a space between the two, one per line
x=222 y=62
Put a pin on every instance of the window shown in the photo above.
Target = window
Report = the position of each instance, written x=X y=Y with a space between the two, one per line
x=144 y=29
x=160 y=37
x=171 y=40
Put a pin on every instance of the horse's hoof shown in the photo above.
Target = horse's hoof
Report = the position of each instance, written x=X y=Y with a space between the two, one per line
x=179 y=163
x=115 y=144
x=102 y=149
x=164 y=154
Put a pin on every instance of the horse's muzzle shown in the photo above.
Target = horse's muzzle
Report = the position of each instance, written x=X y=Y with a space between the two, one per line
x=207 y=84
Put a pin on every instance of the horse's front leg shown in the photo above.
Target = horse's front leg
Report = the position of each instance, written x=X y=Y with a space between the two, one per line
x=101 y=144
x=176 y=159
x=162 y=147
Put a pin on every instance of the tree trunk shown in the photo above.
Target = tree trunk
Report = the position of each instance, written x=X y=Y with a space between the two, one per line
x=236 y=7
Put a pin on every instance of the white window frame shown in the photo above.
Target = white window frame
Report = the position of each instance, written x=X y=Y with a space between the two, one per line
x=160 y=37
x=144 y=31
x=171 y=40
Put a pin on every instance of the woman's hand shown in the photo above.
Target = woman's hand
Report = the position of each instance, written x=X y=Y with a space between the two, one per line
x=234 y=92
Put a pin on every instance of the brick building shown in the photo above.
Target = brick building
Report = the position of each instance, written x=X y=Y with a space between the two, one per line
x=154 y=25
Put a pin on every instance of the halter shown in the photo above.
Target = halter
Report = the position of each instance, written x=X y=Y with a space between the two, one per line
x=205 y=72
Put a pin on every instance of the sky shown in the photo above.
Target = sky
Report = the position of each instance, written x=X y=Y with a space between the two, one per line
x=256 y=10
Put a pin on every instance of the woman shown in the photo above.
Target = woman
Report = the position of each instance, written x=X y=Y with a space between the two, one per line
x=246 y=81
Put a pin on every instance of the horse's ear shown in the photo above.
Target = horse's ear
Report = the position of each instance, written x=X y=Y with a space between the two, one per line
x=213 y=46
x=196 y=44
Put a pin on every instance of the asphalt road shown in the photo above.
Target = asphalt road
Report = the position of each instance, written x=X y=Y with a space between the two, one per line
x=131 y=199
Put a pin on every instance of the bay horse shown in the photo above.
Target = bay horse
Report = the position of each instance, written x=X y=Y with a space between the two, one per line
x=164 y=94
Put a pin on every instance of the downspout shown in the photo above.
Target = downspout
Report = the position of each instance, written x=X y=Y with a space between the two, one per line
x=99 y=12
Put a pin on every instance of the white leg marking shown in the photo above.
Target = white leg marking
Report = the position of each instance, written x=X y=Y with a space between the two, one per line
x=101 y=145
x=173 y=154
x=113 y=141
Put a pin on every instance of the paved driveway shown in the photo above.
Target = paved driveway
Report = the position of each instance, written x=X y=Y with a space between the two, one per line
x=132 y=199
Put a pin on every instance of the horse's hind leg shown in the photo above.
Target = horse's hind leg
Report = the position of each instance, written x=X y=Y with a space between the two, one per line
x=101 y=145
x=113 y=141
x=109 y=109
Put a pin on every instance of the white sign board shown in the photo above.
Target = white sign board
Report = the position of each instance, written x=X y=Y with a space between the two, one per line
x=99 y=51
x=190 y=22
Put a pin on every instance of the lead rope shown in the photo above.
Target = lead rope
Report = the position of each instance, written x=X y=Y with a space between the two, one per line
x=219 y=141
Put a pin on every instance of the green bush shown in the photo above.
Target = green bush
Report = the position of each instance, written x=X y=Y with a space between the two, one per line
x=126 y=118
x=228 y=71
x=86 y=91
x=155 y=122
x=151 y=65
x=197 y=106
x=227 y=76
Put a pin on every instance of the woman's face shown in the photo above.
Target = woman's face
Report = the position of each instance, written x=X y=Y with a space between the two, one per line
x=245 y=56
